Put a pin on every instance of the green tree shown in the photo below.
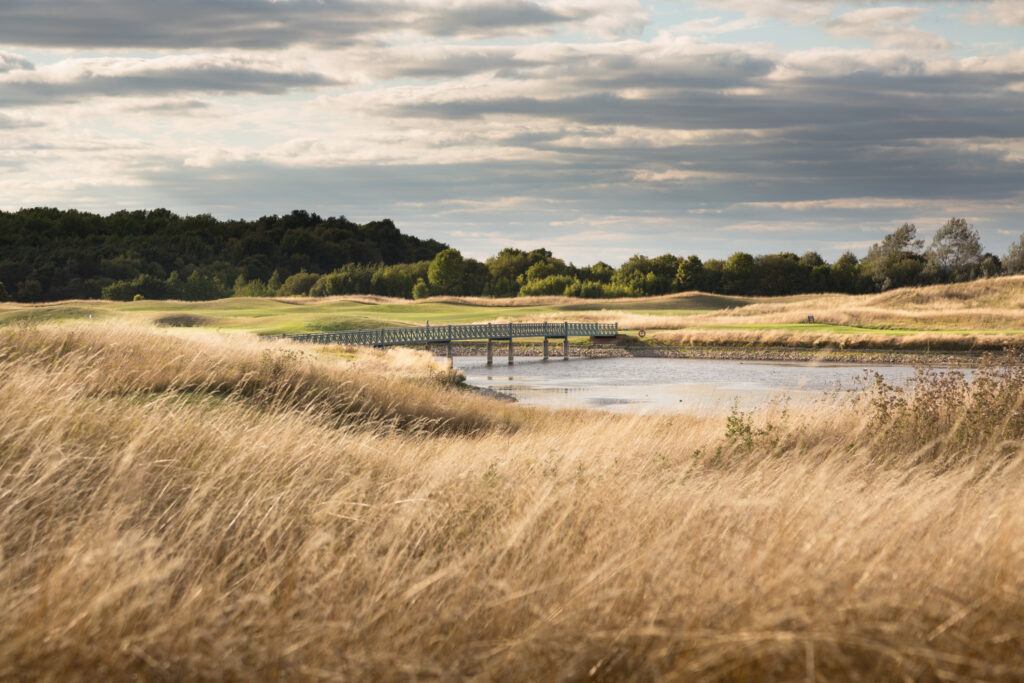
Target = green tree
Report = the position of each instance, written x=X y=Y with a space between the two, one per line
x=446 y=272
x=1013 y=262
x=297 y=284
x=551 y=285
x=846 y=273
x=738 y=274
x=274 y=283
x=420 y=290
x=690 y=273
x=955 y=252
x=4 y=296
x=896 y=261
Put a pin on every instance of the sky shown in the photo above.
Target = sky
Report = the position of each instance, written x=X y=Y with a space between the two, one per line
x=594 y=128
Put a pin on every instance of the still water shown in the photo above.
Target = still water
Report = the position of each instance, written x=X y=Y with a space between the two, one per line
x=666 y=384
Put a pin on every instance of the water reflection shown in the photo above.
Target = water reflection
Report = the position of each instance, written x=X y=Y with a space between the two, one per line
x=667 y=384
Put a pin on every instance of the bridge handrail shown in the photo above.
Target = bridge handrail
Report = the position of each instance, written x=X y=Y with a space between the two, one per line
x=388 y=336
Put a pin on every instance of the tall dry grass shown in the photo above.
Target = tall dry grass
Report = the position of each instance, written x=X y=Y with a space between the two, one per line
x=172 y=508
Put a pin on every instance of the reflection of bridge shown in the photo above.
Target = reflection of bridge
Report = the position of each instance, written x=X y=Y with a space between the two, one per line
x=446 y=334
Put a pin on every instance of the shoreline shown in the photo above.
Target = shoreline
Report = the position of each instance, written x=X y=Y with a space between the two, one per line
x=760 y=353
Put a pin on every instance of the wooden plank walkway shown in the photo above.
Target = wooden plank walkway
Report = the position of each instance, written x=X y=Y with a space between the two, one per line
x=446 y=334
x=442 y=334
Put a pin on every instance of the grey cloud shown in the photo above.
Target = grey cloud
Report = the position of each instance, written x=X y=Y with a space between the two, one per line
x=483 y=17
x=876 y=105
x=253 y=24
x=155 y=81
x=453 y=63
x=171 y=107
x=10 y=61
x=419 y=196
x=652 y=69
x=6 y=122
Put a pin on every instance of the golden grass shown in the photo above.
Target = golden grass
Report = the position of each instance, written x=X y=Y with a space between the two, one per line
x=175 y=504
x=981 y=314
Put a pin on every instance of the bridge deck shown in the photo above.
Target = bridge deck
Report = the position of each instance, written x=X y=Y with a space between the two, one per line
x=440 y=334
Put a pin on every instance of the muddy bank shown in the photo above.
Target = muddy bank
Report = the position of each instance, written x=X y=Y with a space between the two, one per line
x=764 y=353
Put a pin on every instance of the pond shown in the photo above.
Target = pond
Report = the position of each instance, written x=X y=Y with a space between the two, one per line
x=666 y=384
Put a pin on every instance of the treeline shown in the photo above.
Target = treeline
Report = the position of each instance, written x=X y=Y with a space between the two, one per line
x=50 y=254
x=900 y=259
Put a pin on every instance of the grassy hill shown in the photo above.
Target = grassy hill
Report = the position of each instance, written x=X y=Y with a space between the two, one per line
x=980 y=313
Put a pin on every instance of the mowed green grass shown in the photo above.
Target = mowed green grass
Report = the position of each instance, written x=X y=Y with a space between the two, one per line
x=295 y=315
x=286 y=316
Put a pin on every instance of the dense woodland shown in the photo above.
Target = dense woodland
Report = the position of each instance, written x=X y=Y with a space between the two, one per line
x=49 y=254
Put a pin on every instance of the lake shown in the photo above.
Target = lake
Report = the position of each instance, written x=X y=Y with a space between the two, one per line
x=665 y=384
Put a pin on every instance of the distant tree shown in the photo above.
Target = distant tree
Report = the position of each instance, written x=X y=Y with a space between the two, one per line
x=476 y=278
x=990 y=265
x=738 y=274
x=420 y=290
x=446 y=272
x=30 y=290
x=600 y=272
x=713 y=276
x=297 y=284
x=545 y=268
x=896 y=261
x=811 y=259
x=955 y=252
x=199 y=287
x=506 y=267
x=4 y=296
x=689 y=274
x=845 y=274
x=779 y=274
x=1013 y=262
x=274 y=283
x=551 y=285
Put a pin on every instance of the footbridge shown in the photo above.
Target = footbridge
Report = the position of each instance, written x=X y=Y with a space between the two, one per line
x=446 y=334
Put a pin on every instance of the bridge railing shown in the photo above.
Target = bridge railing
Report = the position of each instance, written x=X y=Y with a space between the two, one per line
x=429 y=334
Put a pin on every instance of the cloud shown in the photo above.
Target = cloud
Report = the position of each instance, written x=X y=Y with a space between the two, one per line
x=10 y=62
x=170 y=107
x=1001 y=12
x=9 y=123
x=888 y=27
x=270 y=24
x=77 y=79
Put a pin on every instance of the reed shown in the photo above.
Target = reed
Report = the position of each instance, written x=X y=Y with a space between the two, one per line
x=181 y=504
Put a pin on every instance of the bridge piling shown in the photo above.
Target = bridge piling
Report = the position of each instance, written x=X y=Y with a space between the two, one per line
x=565 y=348
x=545 y=347
x=511 y=357
x=490 y=350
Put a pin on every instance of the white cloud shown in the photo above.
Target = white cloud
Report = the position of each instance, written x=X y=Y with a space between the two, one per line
x=889 y=27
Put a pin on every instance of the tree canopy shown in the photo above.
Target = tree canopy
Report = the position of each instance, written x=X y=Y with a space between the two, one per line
x=48 y=254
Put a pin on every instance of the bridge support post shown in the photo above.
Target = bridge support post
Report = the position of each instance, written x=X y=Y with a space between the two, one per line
x=545 y=348
x=449 y=350
x=511 y=356
x=490 y=351
x=565 y=348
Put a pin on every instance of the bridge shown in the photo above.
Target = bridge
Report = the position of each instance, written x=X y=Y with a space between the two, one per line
x=446 y=334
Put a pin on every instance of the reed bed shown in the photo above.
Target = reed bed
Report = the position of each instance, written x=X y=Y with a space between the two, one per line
x=175 y=504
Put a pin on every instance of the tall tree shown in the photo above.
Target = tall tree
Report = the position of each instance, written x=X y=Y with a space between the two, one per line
x=1013 y=262
x=896 y=261
x=446 y=271
x=955 y=252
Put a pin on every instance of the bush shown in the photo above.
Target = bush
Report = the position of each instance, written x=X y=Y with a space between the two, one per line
x=298 y=284
x=550 y=285
x=420 y=290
